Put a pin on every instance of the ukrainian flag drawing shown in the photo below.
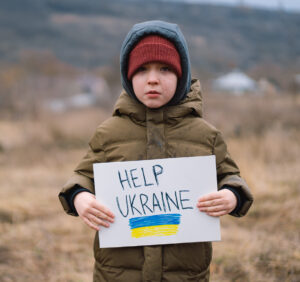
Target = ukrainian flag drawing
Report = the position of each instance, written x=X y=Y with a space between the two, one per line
x=154 y=225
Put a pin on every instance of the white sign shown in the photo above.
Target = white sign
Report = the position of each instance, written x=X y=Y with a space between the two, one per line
x=154 y=201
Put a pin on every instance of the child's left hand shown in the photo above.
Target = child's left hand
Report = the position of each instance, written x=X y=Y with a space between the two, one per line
x=217 y=203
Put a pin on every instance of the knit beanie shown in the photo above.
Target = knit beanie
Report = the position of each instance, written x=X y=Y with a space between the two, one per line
x=154 y=48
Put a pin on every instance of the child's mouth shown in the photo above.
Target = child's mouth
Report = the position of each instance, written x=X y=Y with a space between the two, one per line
x=153 y=94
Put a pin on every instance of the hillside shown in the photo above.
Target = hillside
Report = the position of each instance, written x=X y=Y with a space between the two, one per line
x=89 y=33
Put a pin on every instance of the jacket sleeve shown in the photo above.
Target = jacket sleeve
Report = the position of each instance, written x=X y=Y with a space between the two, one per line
x=228 y=174
x=83 y=176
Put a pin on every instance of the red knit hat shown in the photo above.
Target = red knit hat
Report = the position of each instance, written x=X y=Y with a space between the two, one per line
x=154 y=48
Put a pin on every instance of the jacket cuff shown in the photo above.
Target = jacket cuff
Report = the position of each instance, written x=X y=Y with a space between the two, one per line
x=73 y=192
x=67 y=199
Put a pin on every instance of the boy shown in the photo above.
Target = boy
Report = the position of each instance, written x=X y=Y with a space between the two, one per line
x=157 y=116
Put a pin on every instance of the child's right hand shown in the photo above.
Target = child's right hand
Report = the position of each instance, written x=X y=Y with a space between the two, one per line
x=91 y=211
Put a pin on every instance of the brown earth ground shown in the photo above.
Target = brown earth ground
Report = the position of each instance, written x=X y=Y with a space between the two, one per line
x=38 y=242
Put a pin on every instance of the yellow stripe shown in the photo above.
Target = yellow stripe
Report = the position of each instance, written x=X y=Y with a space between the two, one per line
x=159 y=230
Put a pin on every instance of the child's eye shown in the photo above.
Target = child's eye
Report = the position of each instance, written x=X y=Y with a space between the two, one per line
x=165 y=68
x=141 y=69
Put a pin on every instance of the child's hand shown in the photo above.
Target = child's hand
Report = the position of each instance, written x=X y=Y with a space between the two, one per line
x=91 y=211
x=217 y=203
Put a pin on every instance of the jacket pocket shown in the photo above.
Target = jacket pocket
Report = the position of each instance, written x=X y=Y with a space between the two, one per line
x=195 y=257
x=129 y=257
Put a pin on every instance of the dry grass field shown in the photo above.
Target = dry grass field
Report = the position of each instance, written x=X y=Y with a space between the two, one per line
x=39 y=242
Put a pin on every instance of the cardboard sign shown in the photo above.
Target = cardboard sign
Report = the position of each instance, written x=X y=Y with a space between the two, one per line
x=154 y=201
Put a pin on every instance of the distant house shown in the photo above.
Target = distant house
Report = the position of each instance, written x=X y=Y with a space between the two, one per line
x=91 y=91
x=81 y=100
x=235 y=82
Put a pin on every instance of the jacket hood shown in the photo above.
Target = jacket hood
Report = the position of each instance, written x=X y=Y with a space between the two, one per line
x=191 y=105
x=173 y=33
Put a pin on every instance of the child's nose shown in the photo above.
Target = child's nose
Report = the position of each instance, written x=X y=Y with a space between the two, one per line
x=153 y=77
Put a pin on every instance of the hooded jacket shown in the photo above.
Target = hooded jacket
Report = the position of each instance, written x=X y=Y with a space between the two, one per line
x=136 y=132
x=139 y=133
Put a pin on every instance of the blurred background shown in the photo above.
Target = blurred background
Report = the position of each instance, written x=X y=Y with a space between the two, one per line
x=59 y=78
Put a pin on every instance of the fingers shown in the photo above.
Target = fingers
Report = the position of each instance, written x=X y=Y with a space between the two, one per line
x=217 y=203
x=209 y=203
x=101 y=215
x=102 y=211
x=98 y=221
x=214 y=210
x=90 y=224
x=95 y=219
x=210 y=196
x=206 y=202
x=216 y=214
x=93 y=213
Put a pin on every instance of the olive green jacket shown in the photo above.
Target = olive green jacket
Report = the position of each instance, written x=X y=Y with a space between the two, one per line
x=135 y=132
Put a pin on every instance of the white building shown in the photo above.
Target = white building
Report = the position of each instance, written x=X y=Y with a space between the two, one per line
x=235 y=82
x=92 y=91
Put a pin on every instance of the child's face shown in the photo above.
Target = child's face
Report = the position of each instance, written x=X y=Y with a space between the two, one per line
x=154 y=84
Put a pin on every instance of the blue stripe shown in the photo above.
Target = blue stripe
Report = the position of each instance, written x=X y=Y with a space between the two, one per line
x=153 y=220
